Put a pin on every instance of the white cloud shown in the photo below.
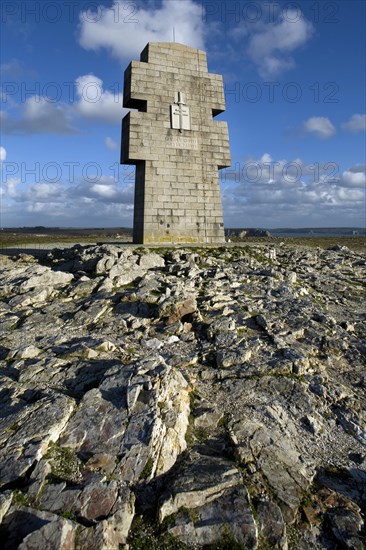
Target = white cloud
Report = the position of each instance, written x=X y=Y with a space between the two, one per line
x=357 y=123
x=320 y=126
x=95 y=102
x=125 y=32
x=353 y=179
x=104 y=202
x=104 y=189
x=271 y=44
x=110 y=143
x=10 y=187
x=273 y=193
x=2 y=154
x=39 y=115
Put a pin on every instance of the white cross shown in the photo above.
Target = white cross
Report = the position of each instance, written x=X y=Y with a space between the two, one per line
x=180 y=113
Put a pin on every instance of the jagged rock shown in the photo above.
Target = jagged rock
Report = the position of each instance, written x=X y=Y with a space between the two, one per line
x=44 y=276
x=201 y=480
x=94 y=502
x=112 y=532
x=271 y=524
x=6 y=499
x=27 y=352
x=228 y=518
x=180 y=310
x=207 y=417
x=278 y=460
x=346 y=527
x=60 y=534
x=28 y=528
x=140 y=414
x=156 y=433
x=38 y=479
x=25 y=435
x=92 y=417
x=36 y=296
x=150 y=261
x=227 y=358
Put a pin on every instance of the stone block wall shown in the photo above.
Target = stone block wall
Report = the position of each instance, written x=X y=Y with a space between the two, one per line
x=177 y=193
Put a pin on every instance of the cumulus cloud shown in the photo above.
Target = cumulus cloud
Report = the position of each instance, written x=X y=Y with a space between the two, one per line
x=110 y=143
x=10 y=187
x=124 y=29
x=260 y=192
x=96 y=103
x=2 y=154
x=271 y=44
x=42 y=115
x=357 y=123
x=320 y=126
x=355 y=178
x=103 y=189
x=39 y=115
x=85 y=203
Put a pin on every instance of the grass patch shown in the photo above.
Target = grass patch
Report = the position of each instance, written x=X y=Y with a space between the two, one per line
x=146 y=472
x=21 y=498
x=226 y=542
x=14 y=427
x=64 y=463
x=145 y=535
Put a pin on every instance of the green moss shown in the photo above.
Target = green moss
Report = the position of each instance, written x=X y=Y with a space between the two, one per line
x=146 y=472
x=68 y=514
x=226 y=542
x=263 y=544
x=193 y=397
x=201 y=434
x=64 y=463
x=189 y=432
x=293 y=537
x=14 y=427
x=21 y=498
x=224 y=422
x=145 y=535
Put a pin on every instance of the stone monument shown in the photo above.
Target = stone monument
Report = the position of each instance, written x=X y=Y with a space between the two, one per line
x=175 y=144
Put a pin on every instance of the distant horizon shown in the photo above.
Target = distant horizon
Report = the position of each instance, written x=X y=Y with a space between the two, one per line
x=226 y=227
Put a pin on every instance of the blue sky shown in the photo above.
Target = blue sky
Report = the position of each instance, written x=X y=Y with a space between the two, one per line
x=294 y=76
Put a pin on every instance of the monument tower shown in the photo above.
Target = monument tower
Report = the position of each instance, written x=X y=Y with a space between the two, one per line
x=176 y=145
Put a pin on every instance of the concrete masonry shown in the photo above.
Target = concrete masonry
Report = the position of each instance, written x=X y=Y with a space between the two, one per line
x=177 y=193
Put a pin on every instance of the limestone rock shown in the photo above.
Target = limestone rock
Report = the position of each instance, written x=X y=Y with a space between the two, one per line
x=150 y=261
x=271 y=524
x=5 y=502
x=44 y=276
x=179 y=310
x=60 y=534
x=104 y=402
x=24 y=436
x=201 y=480
x=27 y=352
x=346 y=526
x=28 y=528
x=228 y=518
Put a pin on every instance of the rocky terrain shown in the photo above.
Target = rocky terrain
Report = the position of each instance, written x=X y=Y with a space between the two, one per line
x=183 y=398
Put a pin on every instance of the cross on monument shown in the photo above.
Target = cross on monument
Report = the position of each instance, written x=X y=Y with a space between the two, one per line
x=176 y=145
x=180 y=115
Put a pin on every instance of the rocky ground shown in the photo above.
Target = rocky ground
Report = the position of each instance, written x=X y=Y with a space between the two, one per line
x=177 y=398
